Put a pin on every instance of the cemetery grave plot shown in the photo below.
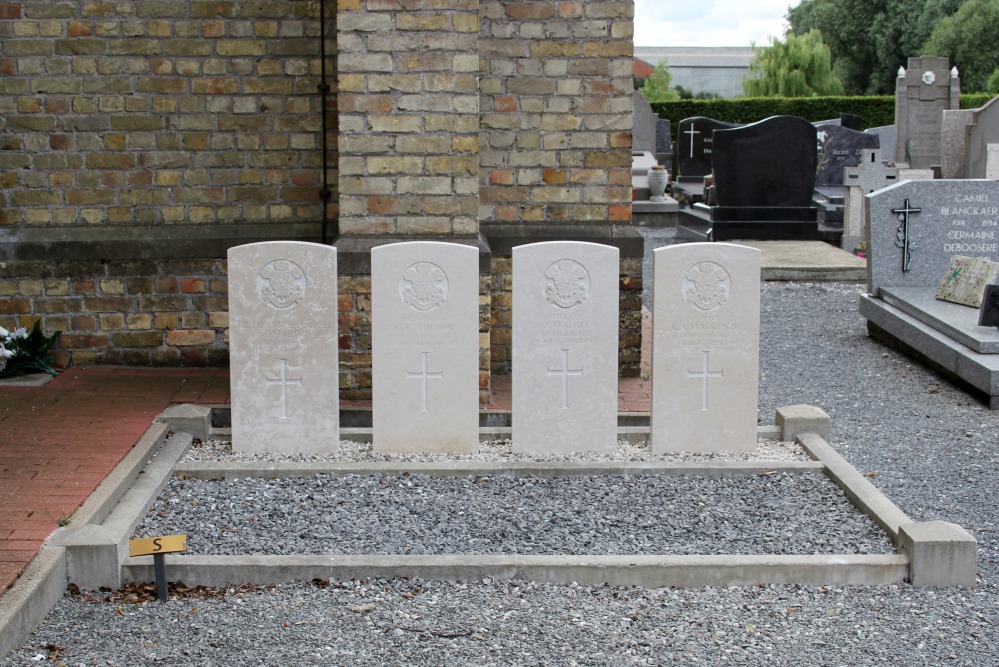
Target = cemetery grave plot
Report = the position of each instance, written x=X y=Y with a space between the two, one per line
x=414 y=514
x=916 y=230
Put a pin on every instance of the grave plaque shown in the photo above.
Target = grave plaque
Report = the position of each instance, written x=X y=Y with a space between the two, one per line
x=965 y=280
x=705 y=347
x=915 y=227
x=425 y=347
x=283 y=348
x=565 y=344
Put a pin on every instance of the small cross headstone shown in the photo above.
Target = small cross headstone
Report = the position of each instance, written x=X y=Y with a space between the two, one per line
x=705 y=347
x=283 y=348
x=425 y=346
x=565 y=344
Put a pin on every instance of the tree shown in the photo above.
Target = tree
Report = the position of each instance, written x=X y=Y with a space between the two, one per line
x=969 y=38
x=869 y=39
x=656 y=87
x=799 y=66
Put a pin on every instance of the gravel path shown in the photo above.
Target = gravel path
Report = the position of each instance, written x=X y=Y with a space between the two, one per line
x=928 y=444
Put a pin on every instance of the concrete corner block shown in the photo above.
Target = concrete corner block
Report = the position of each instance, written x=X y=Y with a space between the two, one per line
x=794 y=420
x=93 y=557
x=940 y=553
x=187 y=418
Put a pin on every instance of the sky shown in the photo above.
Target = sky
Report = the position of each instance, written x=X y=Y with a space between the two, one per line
x=709 y=22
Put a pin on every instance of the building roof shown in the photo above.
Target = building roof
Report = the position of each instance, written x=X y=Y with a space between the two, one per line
x=697 y=56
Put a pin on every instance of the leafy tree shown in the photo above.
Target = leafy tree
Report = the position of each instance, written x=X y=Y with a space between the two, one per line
x=656 y=87
x=799 y=66
x=992 y=86
x=869 y=39
x=969 y=38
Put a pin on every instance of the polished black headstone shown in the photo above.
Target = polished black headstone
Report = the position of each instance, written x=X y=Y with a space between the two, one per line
x=989 y=316
x=694 y=145
x=839 y=147
x=770 y=163
x=850 y=121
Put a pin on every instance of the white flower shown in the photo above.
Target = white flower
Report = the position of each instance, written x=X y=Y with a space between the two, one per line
x=21 y=332
x=4 y=332
x=5 y=353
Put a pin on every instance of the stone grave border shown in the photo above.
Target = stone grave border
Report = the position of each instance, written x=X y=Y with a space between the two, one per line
x=93 y=550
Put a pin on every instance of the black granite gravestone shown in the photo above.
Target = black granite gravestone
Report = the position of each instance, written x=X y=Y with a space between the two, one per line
x=989 y=313
x=839 y=147
x=764 y=179
x=692 y=159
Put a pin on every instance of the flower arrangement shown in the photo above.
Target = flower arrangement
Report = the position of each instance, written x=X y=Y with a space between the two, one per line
x=24 y=352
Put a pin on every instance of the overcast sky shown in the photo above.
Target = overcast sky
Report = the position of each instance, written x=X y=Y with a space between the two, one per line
x=709 y=22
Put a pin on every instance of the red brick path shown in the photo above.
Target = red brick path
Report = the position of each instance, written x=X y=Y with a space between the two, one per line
x=58 y=442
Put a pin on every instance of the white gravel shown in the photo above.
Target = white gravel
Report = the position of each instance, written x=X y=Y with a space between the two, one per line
x=928 y=444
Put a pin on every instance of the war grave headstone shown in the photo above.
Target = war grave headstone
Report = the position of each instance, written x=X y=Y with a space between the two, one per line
x=915 y=229
x=705 y=347
x=283 y=348
x=871 y=174
x=425 y=345
x=764 y=179
x=923 y=91
x=565 y=346
x=838 y=148
x=694 y=151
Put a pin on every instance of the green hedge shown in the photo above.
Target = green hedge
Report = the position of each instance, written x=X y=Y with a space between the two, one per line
x=874 y=111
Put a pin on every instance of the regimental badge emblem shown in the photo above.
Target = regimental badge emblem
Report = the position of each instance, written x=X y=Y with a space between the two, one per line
x=568 y=283
x=424 y=286
x=706 y=285
x=282 y=283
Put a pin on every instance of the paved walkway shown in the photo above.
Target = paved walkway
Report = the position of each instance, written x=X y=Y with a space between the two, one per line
x=58 y=442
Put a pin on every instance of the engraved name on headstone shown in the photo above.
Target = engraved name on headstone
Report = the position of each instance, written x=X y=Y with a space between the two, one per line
x=425 y=347
x=565 y=343
x=915 y=227
x=705 y=348
x=283 y=348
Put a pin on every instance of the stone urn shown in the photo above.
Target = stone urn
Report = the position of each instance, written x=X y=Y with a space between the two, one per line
x=658 y=177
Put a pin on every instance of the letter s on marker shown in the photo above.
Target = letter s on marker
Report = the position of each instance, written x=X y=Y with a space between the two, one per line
x=156 y=543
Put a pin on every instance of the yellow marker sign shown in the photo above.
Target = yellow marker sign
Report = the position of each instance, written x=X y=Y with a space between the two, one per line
x=157 y=545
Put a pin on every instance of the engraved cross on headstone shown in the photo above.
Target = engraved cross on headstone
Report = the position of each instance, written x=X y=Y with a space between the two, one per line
x=902 y=238
x=284 y=381
x=423 y=376
x=704 y=374
x=692 y=132
x=565 y=372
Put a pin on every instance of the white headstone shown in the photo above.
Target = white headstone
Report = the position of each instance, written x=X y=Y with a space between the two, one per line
x=565 y=344
x=425 y=347
x=705 y=348
x=283 y=348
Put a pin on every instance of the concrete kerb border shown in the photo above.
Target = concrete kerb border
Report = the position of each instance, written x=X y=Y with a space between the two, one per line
x=43 y=582
x=793 y=422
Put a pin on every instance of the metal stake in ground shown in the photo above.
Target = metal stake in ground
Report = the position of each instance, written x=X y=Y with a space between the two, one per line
x=158 y=547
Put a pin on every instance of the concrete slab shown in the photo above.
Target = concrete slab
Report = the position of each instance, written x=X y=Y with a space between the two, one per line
x=31 y=380
x=808 y=260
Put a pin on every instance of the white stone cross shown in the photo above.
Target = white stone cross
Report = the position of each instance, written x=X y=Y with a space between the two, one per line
x=565 y=372
x=284 y=381
x=423 y=376
x=704 y=376
x=692 y=132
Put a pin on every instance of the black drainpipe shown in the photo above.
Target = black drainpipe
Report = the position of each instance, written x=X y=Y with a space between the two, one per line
x=324 y=89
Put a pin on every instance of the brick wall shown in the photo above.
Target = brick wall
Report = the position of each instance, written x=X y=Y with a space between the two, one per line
x=129 y=128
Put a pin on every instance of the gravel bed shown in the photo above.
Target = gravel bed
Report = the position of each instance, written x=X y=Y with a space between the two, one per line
x=418 y=514
x=220 y=451
x=927 y=443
